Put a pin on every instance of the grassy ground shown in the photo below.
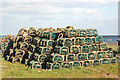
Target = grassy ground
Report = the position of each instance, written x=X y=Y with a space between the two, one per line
x=17 y=70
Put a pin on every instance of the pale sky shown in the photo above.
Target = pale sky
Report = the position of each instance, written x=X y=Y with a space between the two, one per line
x=99 y=14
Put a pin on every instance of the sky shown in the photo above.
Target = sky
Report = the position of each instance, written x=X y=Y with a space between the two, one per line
x=82 y=14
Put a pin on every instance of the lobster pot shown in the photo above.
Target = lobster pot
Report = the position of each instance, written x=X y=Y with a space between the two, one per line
x=92 y=32
x=37 y=50
x=79 y=41
x=87 y=41
x=19 y=39
x=61 y=50
x=108 y=54
x=96 y=62
x=36 y=57
x=87 y=63
x=23 y=32
x=32 y=31
x=28 y=55
x=35 y=65
x=57 y=58
x=28 y=39
x=82 y=56
x=47 y=43
x=74 y=49
x=70 y=57
x=100 y=54
x=24 y=45
x=19 y=52
x=113 y=60
x=66 y=65
x=94 y=47
x=89 y=32
x=65 y=42
x=36 y=41
x=69 y=33
x=85 y=49
x=39 y=33
x=91 y=56
x=82 y=33
x=105 y=61
x=53 y=66
x=54 y=35
x=45 y=50
x=45 y=34
x=75 y=64
x=31 y=47
x=93 y=40
x=99 y=39
x=103 y=46
x=41 y=58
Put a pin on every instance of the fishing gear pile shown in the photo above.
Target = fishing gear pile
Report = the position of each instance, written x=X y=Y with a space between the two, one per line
x=49 y=48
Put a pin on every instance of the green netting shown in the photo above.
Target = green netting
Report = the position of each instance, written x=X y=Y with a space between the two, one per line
x=42 y=58
x=94 y=47
x=89 y=32
x=103 y=46
x=24 y=45
x=28 y=39
x=65 y=42
x=72 y=33
x=38 y=50
x=79 y=41
x=85 y=49
x=83 y=33
x=32 y=31
x=96 y=62
x=70 y=57
x=32 y=47
x=109 y=54
x=88 y=40
x=47 y=43
x=75 y=64
x=99 y=39
x=86 y=63
x=44 y=50
x=55 y=66
x=91 y=56
x=100 y=55
x=57 y=58
x=65 y=65
x=36 y=57
x=74 y=49
x=61 y=50
x=64 y=50
x=105 y=61
x=36 y=40
x=92 y=32
x=114 y=60
x=36 y=65
x=82 y=57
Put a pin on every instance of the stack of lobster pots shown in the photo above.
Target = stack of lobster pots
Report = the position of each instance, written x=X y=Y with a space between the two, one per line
x=49 y=48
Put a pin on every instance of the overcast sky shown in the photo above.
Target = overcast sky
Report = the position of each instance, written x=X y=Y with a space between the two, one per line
x=99 y=14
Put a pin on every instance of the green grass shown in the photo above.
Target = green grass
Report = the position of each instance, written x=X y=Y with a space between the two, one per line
x=114 y=46
x=18 y=70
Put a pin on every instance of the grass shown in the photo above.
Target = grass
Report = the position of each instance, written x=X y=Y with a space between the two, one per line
x=18 y=70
